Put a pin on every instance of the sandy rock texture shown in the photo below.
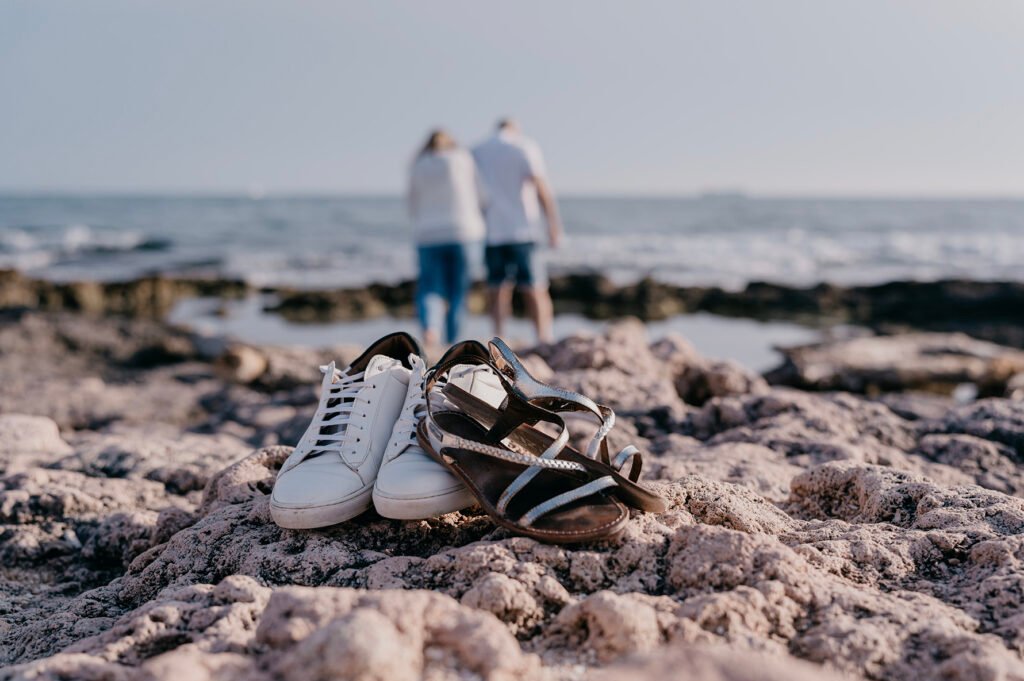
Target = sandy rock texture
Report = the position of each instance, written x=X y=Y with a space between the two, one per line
x=809 y=535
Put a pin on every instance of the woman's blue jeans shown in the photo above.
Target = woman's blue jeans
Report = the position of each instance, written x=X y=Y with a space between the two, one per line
x=445 y=277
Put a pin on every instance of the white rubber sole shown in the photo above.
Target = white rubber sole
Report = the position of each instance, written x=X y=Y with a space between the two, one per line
x=422 y=508
x=321 y=516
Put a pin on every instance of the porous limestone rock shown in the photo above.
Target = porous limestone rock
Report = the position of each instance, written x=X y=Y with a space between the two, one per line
x=26 y=440
x=808 y=535
x=184 y=462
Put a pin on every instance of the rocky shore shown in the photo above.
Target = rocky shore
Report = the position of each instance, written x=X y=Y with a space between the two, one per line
x=942 y=363
x=810 y=535
x=152 y=296
x=986 y=310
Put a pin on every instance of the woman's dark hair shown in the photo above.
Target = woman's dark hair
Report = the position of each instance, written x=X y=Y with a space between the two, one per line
x=439 y=140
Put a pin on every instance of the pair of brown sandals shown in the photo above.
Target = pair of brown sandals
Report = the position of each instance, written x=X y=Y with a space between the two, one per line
x=523 y=478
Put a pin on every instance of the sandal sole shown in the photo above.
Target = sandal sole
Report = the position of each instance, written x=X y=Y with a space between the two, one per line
x=603 y=533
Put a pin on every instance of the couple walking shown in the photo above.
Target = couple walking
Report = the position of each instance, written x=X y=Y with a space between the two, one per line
x=498 y=194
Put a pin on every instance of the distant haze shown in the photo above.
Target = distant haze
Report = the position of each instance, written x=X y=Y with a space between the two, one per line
x=848 y=97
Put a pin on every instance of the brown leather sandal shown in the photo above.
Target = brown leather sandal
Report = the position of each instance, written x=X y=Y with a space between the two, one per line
x=523 y=435
x=542 y=496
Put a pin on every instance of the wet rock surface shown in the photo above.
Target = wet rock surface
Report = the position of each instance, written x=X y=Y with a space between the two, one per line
x=982 y=309
x=933 y=362
x=988 y=310
x=143 y=297
x=809 y=535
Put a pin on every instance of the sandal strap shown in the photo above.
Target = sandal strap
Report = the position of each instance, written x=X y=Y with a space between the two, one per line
x=631 y=454
x=518 y=410
x=557 y=400
x=555 y=502
x=442 y=439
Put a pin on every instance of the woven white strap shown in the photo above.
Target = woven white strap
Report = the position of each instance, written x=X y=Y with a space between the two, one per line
x=441 y=439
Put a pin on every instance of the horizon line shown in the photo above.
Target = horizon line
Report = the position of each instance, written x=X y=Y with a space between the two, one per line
x=719 y=194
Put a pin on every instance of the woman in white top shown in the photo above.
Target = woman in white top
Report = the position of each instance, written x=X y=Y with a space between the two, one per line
x=445 y=199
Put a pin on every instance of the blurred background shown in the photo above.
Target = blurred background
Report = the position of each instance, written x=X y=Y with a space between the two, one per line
x=693 y=147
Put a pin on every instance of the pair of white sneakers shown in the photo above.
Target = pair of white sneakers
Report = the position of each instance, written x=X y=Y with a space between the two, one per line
x=360 y=448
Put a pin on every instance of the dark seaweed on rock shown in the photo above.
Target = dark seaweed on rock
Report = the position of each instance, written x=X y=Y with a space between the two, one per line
x=987 y=310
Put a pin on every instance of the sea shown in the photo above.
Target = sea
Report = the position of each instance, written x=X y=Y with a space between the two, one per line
x=725 y=240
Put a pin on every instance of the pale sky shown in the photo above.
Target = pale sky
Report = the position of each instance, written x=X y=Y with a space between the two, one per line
x=836 y=97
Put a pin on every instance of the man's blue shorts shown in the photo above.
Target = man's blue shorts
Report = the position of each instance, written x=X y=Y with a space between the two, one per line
x=519 y=263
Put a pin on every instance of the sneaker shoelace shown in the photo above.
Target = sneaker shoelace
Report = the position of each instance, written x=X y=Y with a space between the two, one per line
x=412 y=413
x=338 y=397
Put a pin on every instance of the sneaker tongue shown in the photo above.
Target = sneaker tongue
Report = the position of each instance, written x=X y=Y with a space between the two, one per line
x=379 y=364
x=478 y=380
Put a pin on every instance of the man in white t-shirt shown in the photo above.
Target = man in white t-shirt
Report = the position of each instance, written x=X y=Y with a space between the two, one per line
x=519 y=205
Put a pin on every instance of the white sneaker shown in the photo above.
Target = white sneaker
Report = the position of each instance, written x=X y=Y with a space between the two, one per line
x=330 y=476
x=411 y=485
x=479 y=381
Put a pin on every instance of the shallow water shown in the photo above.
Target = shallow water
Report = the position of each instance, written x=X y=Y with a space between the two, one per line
x=746 y=341
x=349 y=241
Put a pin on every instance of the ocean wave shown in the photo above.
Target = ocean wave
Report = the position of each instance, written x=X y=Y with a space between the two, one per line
x=351 y=242
x=34 y=247
x=16 y=240
x=81 y=238
x=27 y=261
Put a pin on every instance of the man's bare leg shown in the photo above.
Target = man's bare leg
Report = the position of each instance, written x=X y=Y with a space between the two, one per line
x=540 y=309
x=499 y=300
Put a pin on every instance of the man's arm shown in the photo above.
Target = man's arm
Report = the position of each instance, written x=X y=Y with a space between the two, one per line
x=538 y=175
x=482 y=195
x=550 y=208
